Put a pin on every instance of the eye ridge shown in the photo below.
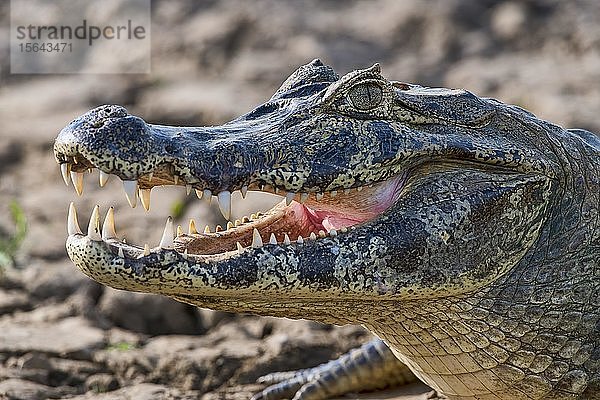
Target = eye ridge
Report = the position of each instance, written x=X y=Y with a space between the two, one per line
x=366 y=96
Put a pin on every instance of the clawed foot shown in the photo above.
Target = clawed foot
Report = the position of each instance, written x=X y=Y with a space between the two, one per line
x=296 y=385
x=370 y=367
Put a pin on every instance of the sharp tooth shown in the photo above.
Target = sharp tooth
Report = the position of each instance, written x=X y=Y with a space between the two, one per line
x=198 y=193
x=102 y=178
x=108 y=228
x=72 y=224
x=176 y=179
x=207 y=196
x=90 y=170
x=146 y=250
x=333 y=193
x=240 y=248
x=131 y=191
x=322 y=233
x=237 y=222
x=166 y=242
x=207 y=229
x=145 y=198
x=65 y=169
x=150 y=176
x=188 y=189
x=244 y=191
x=77 y=178
x=343 y=229
x=300 y=240
x=347 y=190
x=218 y=228
x=256 y=239
x=319 y=196
x=192 y=227
x=120 y=253
x=332 y=232
x=224 y=199
x=75 y=160
x=185 y=254
x=289 y=198
x=245 y=219
x=326 y=223
x=276 y=190
x=359 y=189
x=286 y=239
x=303 y=197
x=312 y=236
x=272 y=239
x=179 y=231
x=229 y=225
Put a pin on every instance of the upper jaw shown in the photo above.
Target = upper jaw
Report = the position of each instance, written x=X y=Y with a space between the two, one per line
x=244 y=154
x=117 y=143
x=214 y=161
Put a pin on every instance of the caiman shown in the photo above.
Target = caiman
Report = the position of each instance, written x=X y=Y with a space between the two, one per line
x=462 y=231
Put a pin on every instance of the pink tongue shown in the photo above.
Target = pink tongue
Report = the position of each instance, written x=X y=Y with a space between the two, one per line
x=354 y=208
x=307 y=219
x=329 y=220
x=343 y=211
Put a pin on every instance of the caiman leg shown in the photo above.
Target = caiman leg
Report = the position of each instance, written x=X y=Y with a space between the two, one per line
x=370 y=367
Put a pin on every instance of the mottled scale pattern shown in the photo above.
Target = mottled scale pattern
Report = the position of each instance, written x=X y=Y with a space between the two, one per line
x=483 y=277
x=486 y=350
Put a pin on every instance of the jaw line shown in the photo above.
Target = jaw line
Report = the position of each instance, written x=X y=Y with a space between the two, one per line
x=321 y=268
x=177 y=273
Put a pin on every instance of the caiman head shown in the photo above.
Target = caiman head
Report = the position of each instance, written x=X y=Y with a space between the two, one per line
x=393 y=192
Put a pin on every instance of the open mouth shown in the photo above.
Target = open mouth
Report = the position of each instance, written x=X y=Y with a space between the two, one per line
x=298 y=218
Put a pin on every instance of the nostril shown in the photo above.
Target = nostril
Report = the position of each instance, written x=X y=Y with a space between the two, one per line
x=99 y=116
x=113 y=111
x=169 y=148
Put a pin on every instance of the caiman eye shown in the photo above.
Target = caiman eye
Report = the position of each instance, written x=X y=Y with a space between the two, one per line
x=366 y=96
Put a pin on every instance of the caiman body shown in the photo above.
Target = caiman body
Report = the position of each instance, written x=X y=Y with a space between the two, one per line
x=462 y=231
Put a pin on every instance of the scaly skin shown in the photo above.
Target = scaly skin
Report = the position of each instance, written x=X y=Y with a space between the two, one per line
x=474 y=255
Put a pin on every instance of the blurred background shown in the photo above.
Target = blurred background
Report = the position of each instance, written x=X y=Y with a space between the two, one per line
x=62 y=335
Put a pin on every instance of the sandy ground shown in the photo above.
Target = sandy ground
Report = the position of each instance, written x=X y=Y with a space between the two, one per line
x=62 y=335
